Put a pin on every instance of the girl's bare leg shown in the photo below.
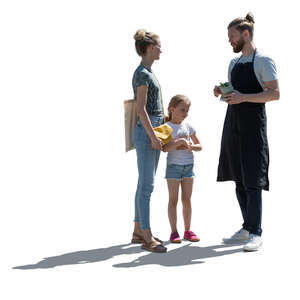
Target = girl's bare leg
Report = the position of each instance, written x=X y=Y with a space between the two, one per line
x=173 y=187
x=186 y=194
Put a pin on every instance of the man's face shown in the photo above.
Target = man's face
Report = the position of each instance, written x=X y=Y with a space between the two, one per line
x=236 y=40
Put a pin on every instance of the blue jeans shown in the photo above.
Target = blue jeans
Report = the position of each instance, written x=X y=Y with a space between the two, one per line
x=147 y=162
x=250 y=202
x=179 y=172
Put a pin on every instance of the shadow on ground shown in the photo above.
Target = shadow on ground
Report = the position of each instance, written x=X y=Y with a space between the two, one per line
x=183 y=255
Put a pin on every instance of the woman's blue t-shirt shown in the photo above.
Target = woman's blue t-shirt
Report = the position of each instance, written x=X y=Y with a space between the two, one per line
x=143 y=76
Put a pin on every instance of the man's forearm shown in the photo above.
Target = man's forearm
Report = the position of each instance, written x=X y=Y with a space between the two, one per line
x=265 y=96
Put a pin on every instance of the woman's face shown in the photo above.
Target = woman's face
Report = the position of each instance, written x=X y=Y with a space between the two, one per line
x=155 y=50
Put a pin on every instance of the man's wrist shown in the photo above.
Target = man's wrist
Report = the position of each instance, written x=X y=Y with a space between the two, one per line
x=244 y=98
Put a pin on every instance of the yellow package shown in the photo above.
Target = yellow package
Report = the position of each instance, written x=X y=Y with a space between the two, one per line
x=164 y=133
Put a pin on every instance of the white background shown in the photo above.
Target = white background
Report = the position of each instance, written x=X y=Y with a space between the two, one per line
x=67 y=186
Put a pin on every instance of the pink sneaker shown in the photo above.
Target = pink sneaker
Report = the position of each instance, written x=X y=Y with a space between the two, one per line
x=175 y=238
x=191 y=236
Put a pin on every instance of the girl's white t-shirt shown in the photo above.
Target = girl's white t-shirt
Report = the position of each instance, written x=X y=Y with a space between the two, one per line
x=181 y=157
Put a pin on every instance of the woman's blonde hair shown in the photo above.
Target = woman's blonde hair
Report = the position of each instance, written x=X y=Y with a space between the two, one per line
x=242 y=24
x=175 y=101
x=143 y=39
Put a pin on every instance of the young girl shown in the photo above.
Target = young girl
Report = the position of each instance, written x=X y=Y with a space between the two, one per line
x=180 y=163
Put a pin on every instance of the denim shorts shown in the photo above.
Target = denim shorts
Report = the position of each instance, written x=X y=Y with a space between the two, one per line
x=179 y=172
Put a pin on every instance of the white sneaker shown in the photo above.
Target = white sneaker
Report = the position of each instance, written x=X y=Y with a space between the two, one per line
x=254 y=243
x=240 y=236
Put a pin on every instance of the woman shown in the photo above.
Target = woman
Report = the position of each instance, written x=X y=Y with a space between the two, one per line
x=150 y=114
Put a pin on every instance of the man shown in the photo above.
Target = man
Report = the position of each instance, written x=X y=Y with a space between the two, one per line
x=244 y=156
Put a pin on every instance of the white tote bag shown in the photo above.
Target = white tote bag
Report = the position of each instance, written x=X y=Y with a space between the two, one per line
x=130 y=122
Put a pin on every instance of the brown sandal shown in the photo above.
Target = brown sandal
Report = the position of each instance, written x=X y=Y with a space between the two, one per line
x=138 y=239
x=153 y=247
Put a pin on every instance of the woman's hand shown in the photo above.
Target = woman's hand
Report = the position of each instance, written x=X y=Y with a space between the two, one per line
x=156 y=143
x=217 y=91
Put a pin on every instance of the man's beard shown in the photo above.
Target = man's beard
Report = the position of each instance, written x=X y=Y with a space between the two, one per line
x=239 y=46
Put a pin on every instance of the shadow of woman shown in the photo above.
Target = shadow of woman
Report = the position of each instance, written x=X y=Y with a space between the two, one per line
x=185 y=255
x=81 y=257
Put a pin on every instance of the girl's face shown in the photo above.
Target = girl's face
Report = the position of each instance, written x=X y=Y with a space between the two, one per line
x=180 y=112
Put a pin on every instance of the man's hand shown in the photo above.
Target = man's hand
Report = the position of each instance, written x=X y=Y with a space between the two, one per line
x=217 y=91
x=234 y=98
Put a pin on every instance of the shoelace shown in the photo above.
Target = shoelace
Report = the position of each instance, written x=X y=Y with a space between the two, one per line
x=252 y=238
x=190 y=234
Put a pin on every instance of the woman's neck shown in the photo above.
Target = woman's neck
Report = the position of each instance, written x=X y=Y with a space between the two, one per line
x=147 y=62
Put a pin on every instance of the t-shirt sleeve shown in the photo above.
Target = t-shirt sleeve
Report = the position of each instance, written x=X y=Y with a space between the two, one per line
x=231 y=65
x=142 y=78
x=268 y=70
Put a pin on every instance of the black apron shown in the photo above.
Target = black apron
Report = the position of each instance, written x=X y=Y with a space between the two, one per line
x=244 y=153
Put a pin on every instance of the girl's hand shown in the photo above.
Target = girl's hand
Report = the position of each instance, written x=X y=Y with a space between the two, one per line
x=183 y=144
x=181 y=147
x=190 y=144
x=156 y=143
x=217 y=91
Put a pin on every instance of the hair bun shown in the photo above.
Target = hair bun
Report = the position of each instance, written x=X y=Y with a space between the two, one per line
x=250 y=17
x=140 y=34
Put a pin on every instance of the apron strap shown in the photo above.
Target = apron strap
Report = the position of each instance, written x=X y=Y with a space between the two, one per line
x=253 y=55
x=242 y=55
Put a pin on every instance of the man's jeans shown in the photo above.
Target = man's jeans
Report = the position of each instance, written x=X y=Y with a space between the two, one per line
x=250 y=202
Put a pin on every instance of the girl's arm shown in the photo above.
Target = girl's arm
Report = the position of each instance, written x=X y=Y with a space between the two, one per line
x=141 y=96
x=174 y=144
x=197 y=145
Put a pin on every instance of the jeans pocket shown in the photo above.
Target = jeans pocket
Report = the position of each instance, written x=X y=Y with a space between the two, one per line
x=156 y=121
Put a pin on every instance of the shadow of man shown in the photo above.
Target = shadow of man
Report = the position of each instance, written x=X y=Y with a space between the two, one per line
x=185 y=255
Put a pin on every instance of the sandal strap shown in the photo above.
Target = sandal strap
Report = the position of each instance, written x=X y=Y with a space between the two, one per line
x=154 y=248
x=142 y=238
